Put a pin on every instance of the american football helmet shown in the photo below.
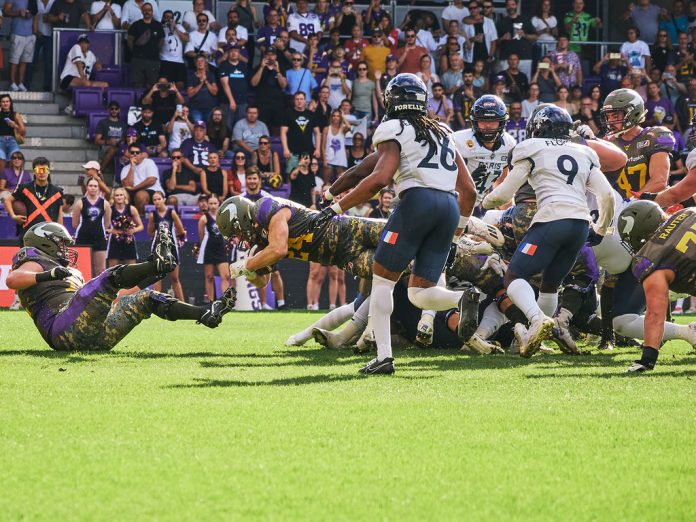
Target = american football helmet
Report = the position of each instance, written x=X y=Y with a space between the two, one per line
x=53 y=239
x=405 y=92
x=638 y=222
x=551 y=122
x=629 y=103
x=488 y=108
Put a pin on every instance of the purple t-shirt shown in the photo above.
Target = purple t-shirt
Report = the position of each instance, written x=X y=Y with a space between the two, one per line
x=13 y=180
x=659 y=108
x=517 y=129
x=268 y=34
x=197 y=153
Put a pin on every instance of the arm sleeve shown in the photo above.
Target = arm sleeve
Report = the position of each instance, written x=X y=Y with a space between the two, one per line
x=504 y=192
x=600 y=187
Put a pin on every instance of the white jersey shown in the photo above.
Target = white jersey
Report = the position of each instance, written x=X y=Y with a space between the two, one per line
x=690 y=160
x=611 y=255
x=558 y=171
x=485 y=165
x=304 y=24
x=420 y=165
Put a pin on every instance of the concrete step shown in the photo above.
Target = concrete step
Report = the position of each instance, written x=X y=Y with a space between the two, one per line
x=82 y=154
x=67 y=166
x=32 y=96
x=37 y=108
x=52 y=119
x=62 y=143
x=57 y=131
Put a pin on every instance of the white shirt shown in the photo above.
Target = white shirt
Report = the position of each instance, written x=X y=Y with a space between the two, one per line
x=131 y=12
x=180 y=132
x=74 y=57
x=304 y=24
x=173 y=48
x=425 y=39
x=146 y=169
x=336 y=94
x=635 y=53
x=209 y=46
x=190 y=19
x=106 y=23
x=560 y=172
x=454 y=13
x=44 y=28
x=528 y=107
x=485 y=165
x=242 y=34
x=419 y=165
x=490 y=34
x=549 y=23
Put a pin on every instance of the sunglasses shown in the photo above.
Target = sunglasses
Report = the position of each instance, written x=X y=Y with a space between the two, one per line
x=297 y=59
x=362 y=68
x=177 y=157
x=17 y=157
x=410 y=36
x=264 y=142
x=240 y=157
x=134 y=151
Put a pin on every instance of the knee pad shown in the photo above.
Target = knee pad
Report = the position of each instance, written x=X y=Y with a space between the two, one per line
x=628 y=325
x=515 y=315
x=571 y=300
x=115 y=275
x=160 y=304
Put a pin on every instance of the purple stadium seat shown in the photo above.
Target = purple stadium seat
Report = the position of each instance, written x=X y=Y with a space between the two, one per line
x=124 y=96
x=187 y=211
x=113 y=75
x=93 y=118
x=87 y=99
x=282 y=192
x=588 y=83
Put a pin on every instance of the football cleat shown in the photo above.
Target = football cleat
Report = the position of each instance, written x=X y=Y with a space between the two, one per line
x=424 y=332
x=375 y=366
x=477 y=344
x=607 y=342
x=627 y=342
x=468 y=312
x=163 y=253
x=561 y=334
x=539 y=329
x=212 y=317
x=366 y=343
x=296 y=340
x=519 y=332
x=640 y=367
x=325 y=338
x=692 y=334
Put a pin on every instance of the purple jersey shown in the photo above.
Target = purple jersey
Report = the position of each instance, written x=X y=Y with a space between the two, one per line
x=197 y=153
x=517 y=129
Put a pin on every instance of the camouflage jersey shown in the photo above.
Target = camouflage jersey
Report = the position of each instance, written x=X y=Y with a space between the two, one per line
x=44 y=301
x=345 y=242
x=636 y=173
x=672 y=247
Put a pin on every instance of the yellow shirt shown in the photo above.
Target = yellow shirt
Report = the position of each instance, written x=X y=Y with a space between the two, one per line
x=376 y=58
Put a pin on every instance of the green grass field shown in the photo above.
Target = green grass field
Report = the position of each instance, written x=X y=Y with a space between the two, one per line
x=180 y=422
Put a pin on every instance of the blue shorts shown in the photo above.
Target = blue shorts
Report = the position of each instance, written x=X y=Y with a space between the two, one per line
x=629 y=297
x=549 y=249
x=421 y=228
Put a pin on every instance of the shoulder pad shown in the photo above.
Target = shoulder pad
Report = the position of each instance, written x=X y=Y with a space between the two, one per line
x=29 y=254
x=691 y=160
x=508 y=141
x=662 y=139
x=392 y=130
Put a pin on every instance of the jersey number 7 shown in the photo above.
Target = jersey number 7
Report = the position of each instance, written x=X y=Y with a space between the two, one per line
x=688 y=237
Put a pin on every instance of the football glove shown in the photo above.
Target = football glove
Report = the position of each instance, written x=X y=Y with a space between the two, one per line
x=593 y=238
x=59 y=272
x=324 y=218
x=496 y=264
x=469 y=247
x=239 y=269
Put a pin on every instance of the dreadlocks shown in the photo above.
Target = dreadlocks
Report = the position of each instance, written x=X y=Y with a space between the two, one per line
x=424 y=128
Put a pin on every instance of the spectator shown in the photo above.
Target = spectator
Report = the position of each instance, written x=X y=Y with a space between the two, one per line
x=202 y=42
x=133 y=11
x=93 y=172
x=670 y=87
x=299 y=133
x=248 y=131
x=145 y=39
x=301 y=24
x=179 y=128
x=124 y=148
x=268 y=163
x=410 y=54
x=439 y=107
x=547 y=80
x=546 y=27
x=195 y=150
x=385 y=78
x=566 y=63
x=339 y=86
x=190 y=18
x=376 y=53
x=150 y=134
x=333 y=43
x=202 y=90
x=172 y=65
x=315 y=60
x=645 y=18
x=140 y=178
x=391 y=33
x=105 y=16
x=452 y=78
x=91 y=216
x=320 y=107
x=516 y=82
x=247 y=20
x=109 y=133
x=68 y=14
x=383 y=209
x=214 y=177
x=283 y=51
x=596 y=99
x=577 y=24
x=638 y=79
x=219 y=134
x=35 y=201
x=357 y=152
x=481 y=36
x=321 y=9
x=340 y=54
x=363 y=97
x=13 y=175
x=684 y=58
x=302 y=182
x=43 y=49
x=516 y=125
x=426 y=73
x=79 y=65
x=517 y=36
x=446 y=52
x=125 y=223
x=464 y=98
x=270 y=83
x=532 y=100
x=480 y=79
x=11 y=125
x=163 y=97
x=611 y=68
x=22 y=41
x=455 y=11
x=662 y=53
x=213 y=251
x=355 y=45
x=676 y=160
x=236 y=180
x=636 y=52
x=561 y=101
x=233 y=23
x=299 y=78
x=675 y=22
x=346 y=18
x=587 y=117
x=372 y=16
x=657 y=106
x=233 y=80
x=266 y=35
x=164 y=215
x=181 y=182
x=334 y=147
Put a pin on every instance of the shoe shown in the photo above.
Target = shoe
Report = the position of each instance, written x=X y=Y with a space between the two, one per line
x=294 y=340
x=678 y=310
x=468 y=313
x=424 y=332
x=539 y=329
x=332 y=307
x=68 y=110
x=163 y=253
x=640 y=367
x=325 y=338
x=626 y=342
x=519 y=332
x=561 y=334
x=375 y=366
x=212 y=317
x=692 y=334
x=16 y=305
x=477 y=344
x=266 y=306
x=366 y=343
x=22 y=88
x=607 y=342
x=14 y=88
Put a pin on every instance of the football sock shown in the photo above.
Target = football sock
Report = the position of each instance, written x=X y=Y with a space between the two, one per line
x=606 y=300
x=179 y=310
x=434 y=298
x=548 y=303
x=632 y=325
x=330 y=321
x=522 y=294
x=491 y=321
x=381 y=307
x=132 y=275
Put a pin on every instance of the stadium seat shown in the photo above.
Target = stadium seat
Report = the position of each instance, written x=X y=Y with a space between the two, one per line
x=588 y=83
x=188 y=211
x=124 y=96
x=93 y=118
x=113 y=75
x=87 y=99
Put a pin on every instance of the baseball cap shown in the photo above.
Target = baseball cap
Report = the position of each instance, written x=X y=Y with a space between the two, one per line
x=377 y=31
x=231 y=46
x=92 y=165
x=83 y=38
x=668 y=119
x=499 y=79
x=392 y=58
x=199 y=123
x=132 y=131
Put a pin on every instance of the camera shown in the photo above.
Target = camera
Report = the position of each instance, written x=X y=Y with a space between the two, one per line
x=614 y=56
x=543 y=65
x=163 y=86
x=517 y=28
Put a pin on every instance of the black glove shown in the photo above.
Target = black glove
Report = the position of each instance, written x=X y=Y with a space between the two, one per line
x=59 y=272
x=452 y=256
x=593 y=238
x=324 y=218
x=650 y=196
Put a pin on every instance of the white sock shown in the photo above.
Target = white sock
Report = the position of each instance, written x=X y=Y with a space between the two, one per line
x=491 y=321
x=280 y=302
x=522 y=295
x=632 y=325
x=548 y=303
x=434 y=298
x=330 y=321
x=356 y=324
x=381 y=307
x=680 y=303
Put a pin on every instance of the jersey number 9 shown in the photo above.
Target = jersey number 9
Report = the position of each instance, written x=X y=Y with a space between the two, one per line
x=568 y=171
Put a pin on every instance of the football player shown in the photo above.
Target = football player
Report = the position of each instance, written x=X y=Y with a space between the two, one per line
x=560 y=172
x=683 y=191
x=436 y=198
x=73 y=315
x=665 y=259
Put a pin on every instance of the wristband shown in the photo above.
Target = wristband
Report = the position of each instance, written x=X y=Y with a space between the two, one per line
x=42 y=277
x=463 y=220
x=328 y=196
x=336 y=207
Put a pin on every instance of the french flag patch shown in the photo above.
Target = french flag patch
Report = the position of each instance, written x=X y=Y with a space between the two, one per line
x=528 y=248
x=390 y=237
